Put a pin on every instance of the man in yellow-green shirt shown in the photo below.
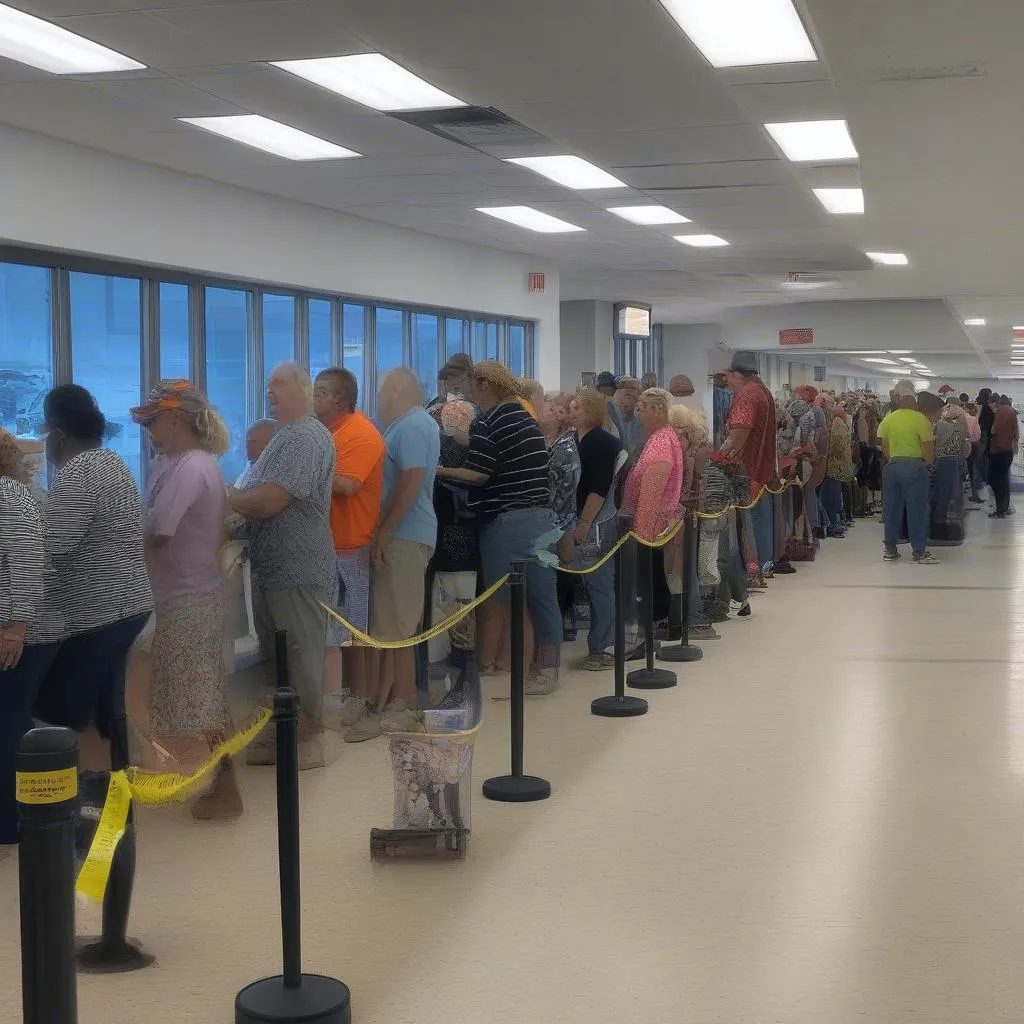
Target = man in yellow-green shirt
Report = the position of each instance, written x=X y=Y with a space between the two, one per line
x=908 y=445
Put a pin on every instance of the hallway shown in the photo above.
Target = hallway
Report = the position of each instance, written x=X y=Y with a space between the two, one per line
x=822 y=824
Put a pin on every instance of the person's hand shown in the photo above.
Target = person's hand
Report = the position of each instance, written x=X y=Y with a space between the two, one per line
x=379 y=550
x=12 y=643
x=579 y=535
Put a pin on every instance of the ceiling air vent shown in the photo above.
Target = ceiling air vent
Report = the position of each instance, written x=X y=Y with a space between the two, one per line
x=974 y=69
x=482 y=128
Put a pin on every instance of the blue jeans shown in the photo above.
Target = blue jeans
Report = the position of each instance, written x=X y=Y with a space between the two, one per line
x=762 y=522
x=832 y=501
x=510 y=538
x=905 y=486
x=601 y=595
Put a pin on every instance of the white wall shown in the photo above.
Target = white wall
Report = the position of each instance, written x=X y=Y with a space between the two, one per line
x=58 y=195
x=585 y=339
x=692 y=350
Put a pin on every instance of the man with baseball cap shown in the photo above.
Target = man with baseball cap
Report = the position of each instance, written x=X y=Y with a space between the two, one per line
x=627 y=392
x=750 y=439
x=908 y=446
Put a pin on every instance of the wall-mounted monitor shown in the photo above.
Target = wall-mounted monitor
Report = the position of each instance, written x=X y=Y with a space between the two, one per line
x=632 y=320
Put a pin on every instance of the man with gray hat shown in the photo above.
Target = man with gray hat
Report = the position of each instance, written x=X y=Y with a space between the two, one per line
x=750 y=439
x=908 y=445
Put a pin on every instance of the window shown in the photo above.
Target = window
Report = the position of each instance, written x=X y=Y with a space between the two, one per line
x=389 y=340
x=106 y=355
x=353 y=332
x=278 y=331
x=485 y=340
x=26 y=352
x=227 y=344
x=517 y=349
x=424 y=352
x=174 y=334
x=452 y=336
x=492 y=341
x=320 y=354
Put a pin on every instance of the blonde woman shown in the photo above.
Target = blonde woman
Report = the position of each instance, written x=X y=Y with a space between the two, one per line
x=185 y=513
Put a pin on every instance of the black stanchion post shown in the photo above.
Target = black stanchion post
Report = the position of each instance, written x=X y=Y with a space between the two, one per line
x=113 y=952
x=47 y=788
x=517 y=787
x=685 y=651
x=649 y=677
x=618 y=705
x=291 y=996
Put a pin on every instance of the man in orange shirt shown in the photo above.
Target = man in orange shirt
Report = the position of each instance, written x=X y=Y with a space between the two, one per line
x=355 y=511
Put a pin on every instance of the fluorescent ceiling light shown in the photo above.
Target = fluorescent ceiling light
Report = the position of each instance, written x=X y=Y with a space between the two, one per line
x=371 y=79
x=527 y=217
x=901 y=351
x=975 y=321
x=649 y=214
x=41 y=44
x=904 y=359
x=570 y=171
x=744 y=33
x=841 y=200
x=271 y=136
x=888 y=259
x=810 y=141
x=701 y=241
x=1018 y=327
x=883 y=362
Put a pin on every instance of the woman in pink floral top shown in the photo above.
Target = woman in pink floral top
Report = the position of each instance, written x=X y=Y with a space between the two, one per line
x=652 y=492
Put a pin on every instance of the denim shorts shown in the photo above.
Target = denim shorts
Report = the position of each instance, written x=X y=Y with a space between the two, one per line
x=512 y=537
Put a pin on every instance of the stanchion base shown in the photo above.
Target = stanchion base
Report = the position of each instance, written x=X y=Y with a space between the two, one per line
x=651 y=679
x=94 y=956
x=680 y=652
x=317 y=999
x=517 y=789
x=618 y=707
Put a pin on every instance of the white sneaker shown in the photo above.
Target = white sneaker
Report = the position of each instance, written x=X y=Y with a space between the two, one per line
x=342 y=710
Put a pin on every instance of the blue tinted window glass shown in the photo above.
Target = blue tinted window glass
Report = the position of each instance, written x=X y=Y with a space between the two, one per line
x=227 y=344
x=174 y=347
x=478 y=346
x=353 y=328
x=319 y=335
x=517 y=349
x=492 y=341
x=389 y=339
x=452 y=336
x=26 y=354
x=425 y=353
x=278 y=331
x=106 y=355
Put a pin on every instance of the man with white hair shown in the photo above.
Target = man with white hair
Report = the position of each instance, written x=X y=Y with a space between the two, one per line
x=287 y=503
x=401 y=551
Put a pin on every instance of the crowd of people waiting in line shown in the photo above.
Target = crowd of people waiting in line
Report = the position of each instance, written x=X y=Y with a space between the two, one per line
x=409 y=518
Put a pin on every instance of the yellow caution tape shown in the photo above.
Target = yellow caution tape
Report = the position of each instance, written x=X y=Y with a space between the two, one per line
x=47 y=787
x=95 y=873
x=441 y=627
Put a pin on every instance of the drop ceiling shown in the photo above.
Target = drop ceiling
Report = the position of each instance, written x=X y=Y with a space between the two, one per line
x=615 y=82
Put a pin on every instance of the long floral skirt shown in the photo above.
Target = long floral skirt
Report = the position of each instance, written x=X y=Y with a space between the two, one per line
x=189 y=692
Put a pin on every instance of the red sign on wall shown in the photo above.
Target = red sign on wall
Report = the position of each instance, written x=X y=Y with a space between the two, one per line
x=535 y=282
x=796 y=336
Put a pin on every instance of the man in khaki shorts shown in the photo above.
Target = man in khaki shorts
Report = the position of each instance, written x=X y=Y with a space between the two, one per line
x=401 y=552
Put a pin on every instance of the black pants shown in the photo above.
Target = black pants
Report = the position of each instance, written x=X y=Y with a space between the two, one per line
x=999 y=478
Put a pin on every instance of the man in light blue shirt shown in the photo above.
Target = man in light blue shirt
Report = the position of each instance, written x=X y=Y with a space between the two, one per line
x=401 y=551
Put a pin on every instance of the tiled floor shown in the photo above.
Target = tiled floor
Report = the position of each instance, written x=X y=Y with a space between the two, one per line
x=822 y=824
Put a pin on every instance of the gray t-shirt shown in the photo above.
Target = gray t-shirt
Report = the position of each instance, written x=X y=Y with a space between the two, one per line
x=295 y=547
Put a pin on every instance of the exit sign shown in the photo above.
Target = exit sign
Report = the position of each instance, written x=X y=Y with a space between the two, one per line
x=796 y=336
x=535 y=282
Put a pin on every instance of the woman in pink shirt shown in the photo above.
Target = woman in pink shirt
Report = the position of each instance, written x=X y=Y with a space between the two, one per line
x=974 y=436
x=653 y=487
x=185 y=514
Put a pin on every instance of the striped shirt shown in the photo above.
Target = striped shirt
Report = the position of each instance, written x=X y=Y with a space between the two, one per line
x=92 y=526
x=26 y=575
x=507 y=447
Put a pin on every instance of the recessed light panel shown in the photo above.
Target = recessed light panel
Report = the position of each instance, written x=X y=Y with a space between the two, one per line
x=41 y=44
x=649 y=214
x=529 y=218
x=570 y=171
x=744 y=33
x=702 y=241
x=888 y=259
x=373 y=80
x=813 y=141
x=881 y=362
x=271 y=136
x=975 y=321
x=841 y=200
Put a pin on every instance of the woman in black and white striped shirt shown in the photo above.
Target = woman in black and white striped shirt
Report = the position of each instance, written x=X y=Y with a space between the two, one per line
x=93 y=531
x=30 y=627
